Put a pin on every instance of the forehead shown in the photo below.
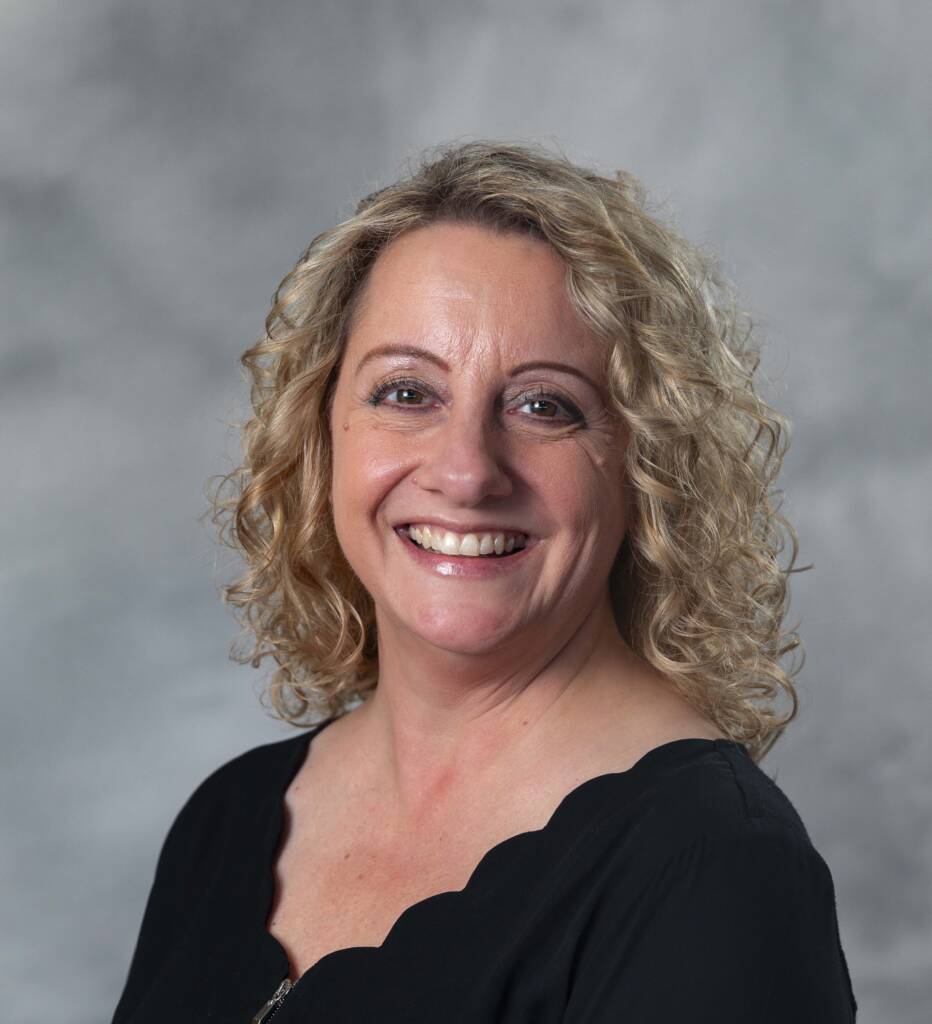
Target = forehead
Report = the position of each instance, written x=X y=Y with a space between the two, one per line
x=461 y=290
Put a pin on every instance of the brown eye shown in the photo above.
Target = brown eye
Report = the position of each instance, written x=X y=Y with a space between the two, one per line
x=398 y=386
x=543 y=402
x=548 y=407
x=409 y=392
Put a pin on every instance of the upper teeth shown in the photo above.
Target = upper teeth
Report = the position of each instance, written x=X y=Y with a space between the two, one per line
x=434 y=538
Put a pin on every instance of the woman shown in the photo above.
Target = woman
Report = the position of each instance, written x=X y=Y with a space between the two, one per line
x=505 y=513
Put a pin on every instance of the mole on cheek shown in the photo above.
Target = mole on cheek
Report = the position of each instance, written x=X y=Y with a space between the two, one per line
x=346 y=426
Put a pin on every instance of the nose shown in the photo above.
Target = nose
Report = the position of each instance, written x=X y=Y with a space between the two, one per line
x=463 y=460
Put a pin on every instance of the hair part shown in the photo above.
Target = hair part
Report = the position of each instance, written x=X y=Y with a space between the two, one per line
x=697 y=587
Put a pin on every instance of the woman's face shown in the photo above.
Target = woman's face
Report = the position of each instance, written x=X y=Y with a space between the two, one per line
x=444 y=414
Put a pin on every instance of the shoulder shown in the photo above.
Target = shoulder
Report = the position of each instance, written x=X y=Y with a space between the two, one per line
x=713 y=848
x=250 y=775
x=712 y=879
x=713 y=788
x=235 y=789
x=255 y=768
x=713 y=810
x=701 y=806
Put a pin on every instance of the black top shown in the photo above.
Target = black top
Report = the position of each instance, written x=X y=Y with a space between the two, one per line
x=683 y=889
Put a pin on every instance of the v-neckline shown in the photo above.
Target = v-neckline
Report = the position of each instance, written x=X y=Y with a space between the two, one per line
x=665 y=755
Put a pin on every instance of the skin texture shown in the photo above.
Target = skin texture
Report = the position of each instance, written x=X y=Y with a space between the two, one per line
x=482 y=681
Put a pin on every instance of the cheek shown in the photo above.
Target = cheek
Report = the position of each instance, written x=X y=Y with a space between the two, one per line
x=349 y=477
x=366 y=465
x=584 y=489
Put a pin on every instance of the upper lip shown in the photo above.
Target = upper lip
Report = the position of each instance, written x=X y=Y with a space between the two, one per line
x=463 y=528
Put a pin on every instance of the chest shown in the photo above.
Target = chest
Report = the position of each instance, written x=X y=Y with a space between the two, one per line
x=330 y=897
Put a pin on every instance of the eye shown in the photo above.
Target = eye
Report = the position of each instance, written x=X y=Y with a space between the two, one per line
x=542 y=398
x=398 y=384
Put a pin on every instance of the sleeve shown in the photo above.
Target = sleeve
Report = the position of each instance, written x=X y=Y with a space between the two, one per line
x=729 y=929
x=174 y=891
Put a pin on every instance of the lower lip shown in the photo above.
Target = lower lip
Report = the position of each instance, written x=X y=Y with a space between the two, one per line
x=464 y=566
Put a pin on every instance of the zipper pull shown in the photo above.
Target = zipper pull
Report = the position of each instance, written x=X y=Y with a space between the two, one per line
x=274 y=1003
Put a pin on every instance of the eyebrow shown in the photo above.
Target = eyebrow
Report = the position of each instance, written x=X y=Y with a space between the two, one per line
x=414 y=352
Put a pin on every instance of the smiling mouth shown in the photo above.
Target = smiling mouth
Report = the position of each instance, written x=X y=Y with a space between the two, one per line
x=402 y=531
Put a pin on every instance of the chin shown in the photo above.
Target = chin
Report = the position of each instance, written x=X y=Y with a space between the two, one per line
x=458 y=630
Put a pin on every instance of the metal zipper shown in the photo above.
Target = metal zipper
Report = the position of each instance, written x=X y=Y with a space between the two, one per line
x=269 y=1008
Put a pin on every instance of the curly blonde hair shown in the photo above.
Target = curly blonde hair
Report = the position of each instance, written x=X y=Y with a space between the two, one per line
x=697 y=588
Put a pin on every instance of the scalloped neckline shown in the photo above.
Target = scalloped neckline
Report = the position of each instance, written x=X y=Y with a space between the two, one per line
x=664 y=753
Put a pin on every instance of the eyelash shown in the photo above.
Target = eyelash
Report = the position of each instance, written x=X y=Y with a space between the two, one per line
x=535 y=395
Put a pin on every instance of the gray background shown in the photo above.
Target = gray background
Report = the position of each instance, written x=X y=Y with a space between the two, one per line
x=163 y=166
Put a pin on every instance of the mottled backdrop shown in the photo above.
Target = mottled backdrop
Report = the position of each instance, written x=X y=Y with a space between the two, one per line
x=163 y=164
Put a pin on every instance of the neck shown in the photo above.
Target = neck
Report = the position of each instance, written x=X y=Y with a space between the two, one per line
x=433 y=736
